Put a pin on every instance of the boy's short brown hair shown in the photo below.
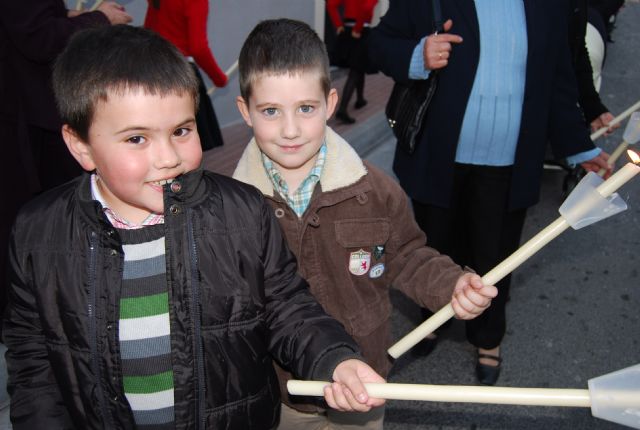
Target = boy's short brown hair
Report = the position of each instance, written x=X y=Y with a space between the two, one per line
x=280 y=46
x=116 y=59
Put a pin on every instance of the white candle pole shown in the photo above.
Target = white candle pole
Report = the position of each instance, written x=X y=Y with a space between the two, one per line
x=233 y=68
x=96 y=5
x=534 y=244
x=229 y=72
x=614 y=397
x=615 y=155
x=455 y=393
x=616 y=120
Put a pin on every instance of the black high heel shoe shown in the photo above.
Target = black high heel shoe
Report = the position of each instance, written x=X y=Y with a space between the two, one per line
x=344 y=117
x=486 y=374
x=360 y=103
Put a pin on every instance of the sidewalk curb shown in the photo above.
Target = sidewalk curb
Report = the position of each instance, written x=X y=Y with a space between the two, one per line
x=369 y=135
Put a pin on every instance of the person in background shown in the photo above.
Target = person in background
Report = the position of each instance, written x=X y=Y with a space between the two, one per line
x=35 y=158
x=608 y=10
x=348 y=223
x=150 y=293
x=595 y=112
x=352 y=28
x=506 y=87
x=32 y=34
x=184 y=23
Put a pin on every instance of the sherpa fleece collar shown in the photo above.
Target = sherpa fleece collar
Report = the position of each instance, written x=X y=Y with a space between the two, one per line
x=343 y=166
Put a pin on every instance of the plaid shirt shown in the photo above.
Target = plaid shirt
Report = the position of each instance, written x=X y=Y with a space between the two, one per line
x=302 y=196
x=114 y=219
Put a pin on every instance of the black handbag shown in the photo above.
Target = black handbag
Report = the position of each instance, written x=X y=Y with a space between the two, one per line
x=409 y=101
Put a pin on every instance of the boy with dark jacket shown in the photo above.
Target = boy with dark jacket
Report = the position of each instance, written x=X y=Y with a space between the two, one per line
x=348 y=223
x=150 y=294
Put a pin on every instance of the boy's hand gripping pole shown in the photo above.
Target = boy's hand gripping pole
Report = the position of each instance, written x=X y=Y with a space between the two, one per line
x=592 y=200
x=613 y=397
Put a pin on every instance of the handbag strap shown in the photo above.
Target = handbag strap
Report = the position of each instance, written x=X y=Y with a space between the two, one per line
x=437 y=16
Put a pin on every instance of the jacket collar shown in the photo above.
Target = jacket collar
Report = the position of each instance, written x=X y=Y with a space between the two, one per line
x=343 y=166
x=192 y=190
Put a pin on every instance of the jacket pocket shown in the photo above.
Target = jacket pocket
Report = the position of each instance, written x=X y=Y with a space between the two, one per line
x=357 y=233
x=366 y=304
x=364 y=243
x=237 y=358
x=366 y=320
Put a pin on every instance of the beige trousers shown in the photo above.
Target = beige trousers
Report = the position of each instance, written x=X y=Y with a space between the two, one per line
x=290 y=419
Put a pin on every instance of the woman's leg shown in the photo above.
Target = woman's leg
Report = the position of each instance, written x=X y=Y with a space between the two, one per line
x=347 y=93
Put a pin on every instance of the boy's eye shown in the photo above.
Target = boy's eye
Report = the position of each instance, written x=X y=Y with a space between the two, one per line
x=270 y=111
x=306 y=108
x=182 y=131
x=136 y=140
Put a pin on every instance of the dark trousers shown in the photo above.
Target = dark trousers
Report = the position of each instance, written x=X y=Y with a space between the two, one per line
x=477 y=231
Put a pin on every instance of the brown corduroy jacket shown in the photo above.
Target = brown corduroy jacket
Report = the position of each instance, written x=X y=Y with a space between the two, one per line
x=357 y=238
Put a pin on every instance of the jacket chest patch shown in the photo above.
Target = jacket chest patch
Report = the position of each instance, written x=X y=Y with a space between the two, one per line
x=378 y=251
x=376 y=271
x=359 y=262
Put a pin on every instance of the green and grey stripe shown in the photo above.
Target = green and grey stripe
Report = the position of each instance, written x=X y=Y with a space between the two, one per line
x=144 y=329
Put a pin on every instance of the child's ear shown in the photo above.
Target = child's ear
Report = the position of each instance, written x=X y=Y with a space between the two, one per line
x=332 y=101
x=78 y=148
x=243 y=107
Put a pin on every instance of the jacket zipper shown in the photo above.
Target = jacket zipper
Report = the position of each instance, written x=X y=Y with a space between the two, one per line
x=195 y=306
x=93 y=335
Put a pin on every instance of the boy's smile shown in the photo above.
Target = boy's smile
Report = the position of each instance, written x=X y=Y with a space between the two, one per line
x=137 y=143
x=288 y=114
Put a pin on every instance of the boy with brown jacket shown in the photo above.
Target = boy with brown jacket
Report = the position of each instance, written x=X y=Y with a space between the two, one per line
x=349 y=224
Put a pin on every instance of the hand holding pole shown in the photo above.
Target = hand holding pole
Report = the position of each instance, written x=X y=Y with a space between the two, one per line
x=616 y=120
x=630 y=137
x=580 y=212
x=613 y=397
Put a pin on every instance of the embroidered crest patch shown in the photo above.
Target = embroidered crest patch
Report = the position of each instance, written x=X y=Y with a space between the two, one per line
x=359 y=262
x=376 y=271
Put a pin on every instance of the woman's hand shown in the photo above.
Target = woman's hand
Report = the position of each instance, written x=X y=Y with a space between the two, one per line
x=437 y=48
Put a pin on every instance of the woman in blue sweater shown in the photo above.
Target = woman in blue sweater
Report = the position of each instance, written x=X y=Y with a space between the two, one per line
x=506 y=88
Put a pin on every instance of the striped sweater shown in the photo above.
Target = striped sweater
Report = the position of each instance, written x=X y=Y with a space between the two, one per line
x=145 y=346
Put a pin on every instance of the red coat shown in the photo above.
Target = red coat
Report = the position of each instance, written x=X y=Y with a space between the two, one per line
x=184 y=23
x=361 y=11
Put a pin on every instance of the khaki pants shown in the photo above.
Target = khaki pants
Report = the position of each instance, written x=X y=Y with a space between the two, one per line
x=290 y=419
